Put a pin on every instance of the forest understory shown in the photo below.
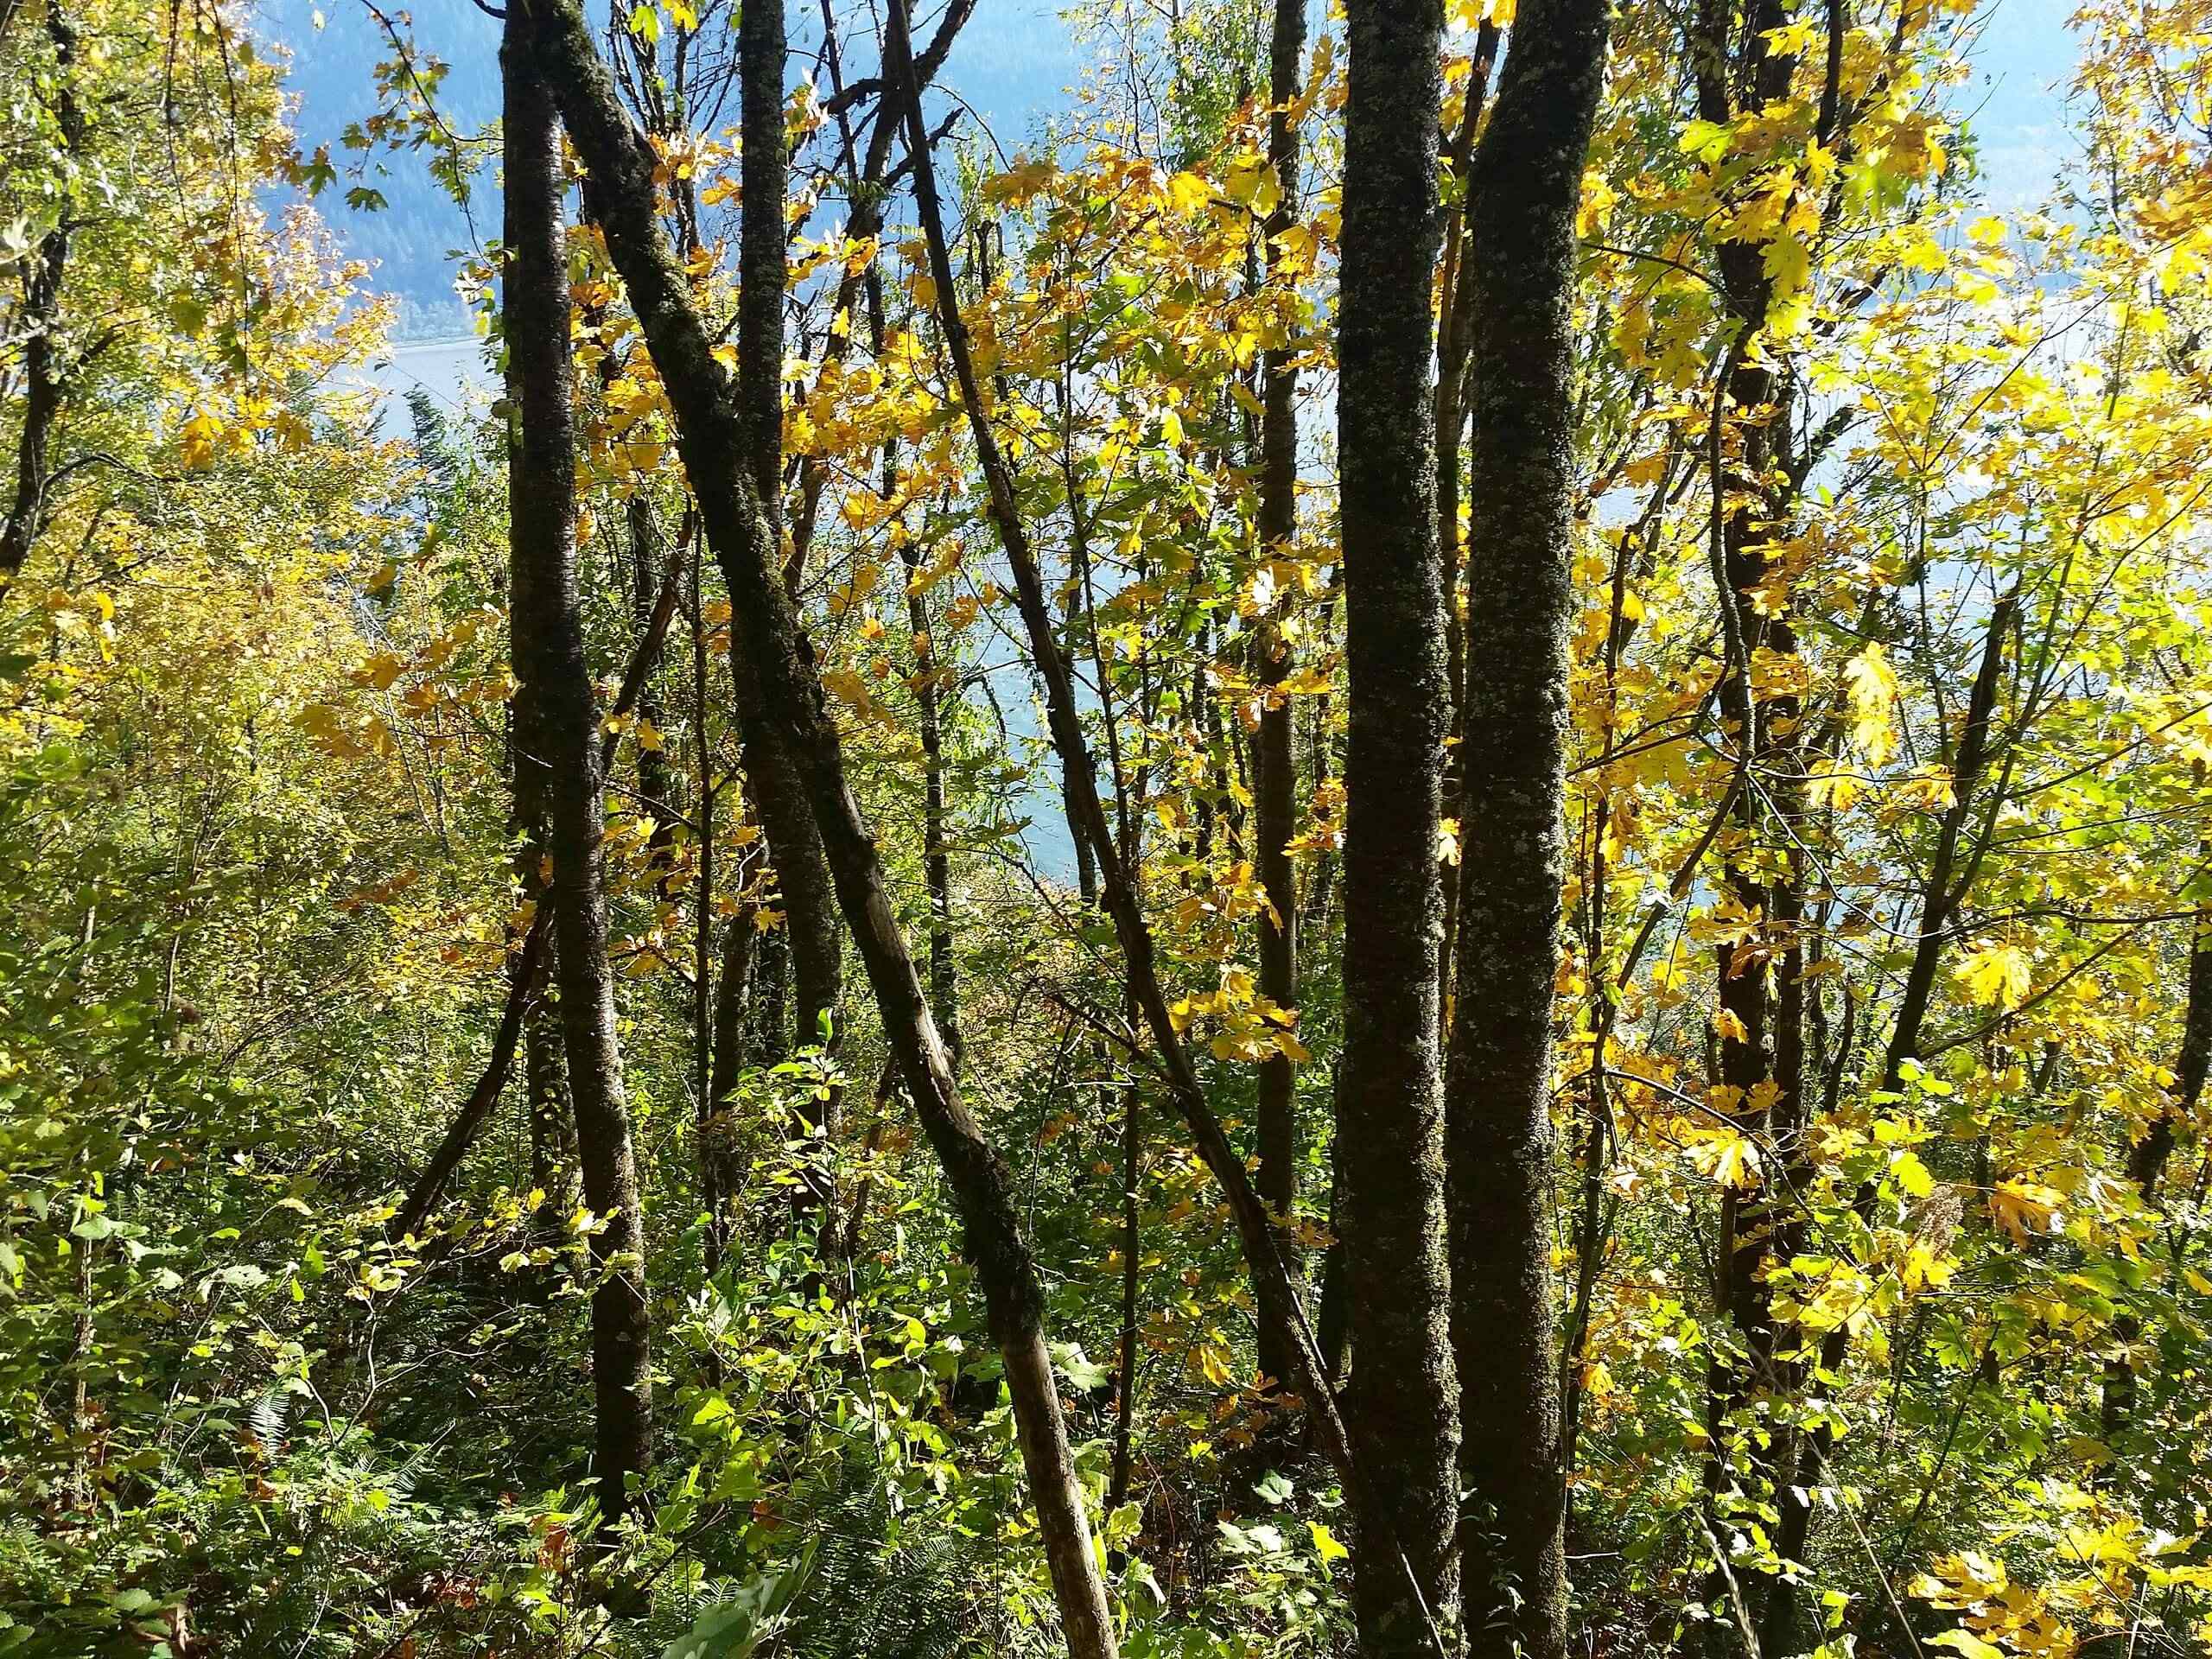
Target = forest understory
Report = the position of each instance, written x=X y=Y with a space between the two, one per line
x=1399 y=847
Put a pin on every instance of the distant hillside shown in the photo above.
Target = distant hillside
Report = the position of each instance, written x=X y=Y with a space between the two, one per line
x=1013 y=66
x=411 y=241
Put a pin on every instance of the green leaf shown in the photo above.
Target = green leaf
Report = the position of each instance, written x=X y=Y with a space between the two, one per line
x=1912 y=1175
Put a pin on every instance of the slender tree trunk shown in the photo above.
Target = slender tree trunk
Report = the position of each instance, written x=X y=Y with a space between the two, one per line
x=1280 y=1303
x=1125 y=1401
x=712 y=437
x=1403 y=1404
x=656 y=777
x=1454 y=347
x=1524 y=193
x=1753 y=1041
x=40 y=326
x=932 y=682
x=816 y=945
x=552 y=1115
x=767 y=1021
x=549 y=657
x=1332 y=1319
x=1942 y=892
x=552 y=1123
x=937 y=859
x=430 y=1183
x=1274 y=757
x=794 y=841
x=2147 y=1159
x=711 y=991
x=733 y=1044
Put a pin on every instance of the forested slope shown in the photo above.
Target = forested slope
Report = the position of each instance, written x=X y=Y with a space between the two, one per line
x=1604 y=1052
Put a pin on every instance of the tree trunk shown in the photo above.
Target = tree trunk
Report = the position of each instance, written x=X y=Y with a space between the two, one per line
x=552 y=1125
x=40 y=324
x=1280 y=1303
x=1942 y=892
x=712 y=438
x=552 y=1117
x=1401 y=1405
x=656 y=777
x=794 y=841
x=1454 y=347
x=2147 y=1159
x=719 y=1169
x=1125 y=1393
x=937 y=858
x=1274 y=799
x=522 y=1002
x=549 y=659
x=1525 y=190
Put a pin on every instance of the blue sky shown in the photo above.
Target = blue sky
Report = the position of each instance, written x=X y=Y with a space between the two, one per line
x=1013 y=65
x=2017 y=98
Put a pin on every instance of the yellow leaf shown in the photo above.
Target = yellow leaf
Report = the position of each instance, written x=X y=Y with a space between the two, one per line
x=1999 y=975
x=1874 y=687
x=378 y=672
x=1188 y=194
x=2024 y=1207
x=1021 y=181
x=200 y=435
x=1789 y=262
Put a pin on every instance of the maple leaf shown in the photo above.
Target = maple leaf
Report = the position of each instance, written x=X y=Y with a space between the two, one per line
x=1999 y=975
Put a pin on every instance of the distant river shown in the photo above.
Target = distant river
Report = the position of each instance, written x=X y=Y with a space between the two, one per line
x=453 y=371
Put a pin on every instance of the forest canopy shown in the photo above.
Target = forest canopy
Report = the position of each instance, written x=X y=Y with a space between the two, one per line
x=1401 y=846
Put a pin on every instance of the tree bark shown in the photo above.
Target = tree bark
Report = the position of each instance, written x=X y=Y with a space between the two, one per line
x=656 y=777
x=712 y=439
x=40 y=324
x=549 y=659
x=1274 y=799
x=1125 y=1392
x=1525 y=191
x=1454 y=348
x=552 y=1123
x=1735 y=71
x=937 y=857
x=1402 y=1404
x=2147 y=1160
x=794 y=841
